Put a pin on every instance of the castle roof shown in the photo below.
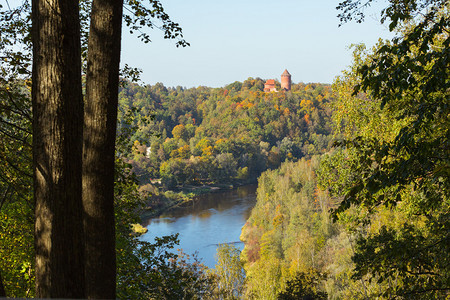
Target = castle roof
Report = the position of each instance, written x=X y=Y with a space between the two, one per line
x=285 y=73
x=270 y=81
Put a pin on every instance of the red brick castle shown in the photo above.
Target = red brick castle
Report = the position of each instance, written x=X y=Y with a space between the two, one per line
x=269 y=86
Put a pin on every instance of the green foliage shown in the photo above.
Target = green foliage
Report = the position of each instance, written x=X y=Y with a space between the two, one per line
x=394 y=181
x=396 y=12
x=153 y=271
x=225 y=135
x=289 y=231
x=16 y=205
x=416 y=257
x=15 y=41
x=230 y=272
x=179 y=132
x=138 y=263
x=409 y=79
x=138 y=16
x=242 y=173
x=149 y=270
x=16 y=248
x=290 y=234
x=305 y=286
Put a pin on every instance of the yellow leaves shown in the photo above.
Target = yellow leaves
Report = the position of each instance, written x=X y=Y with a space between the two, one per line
x=221 y=141
x=242 y=173
x=222 y=145
x=179 y=132
x=293 y=267
x=164 y=166
x=306 y=103
x=279 y=217
x=207 y=151
x=309 y=87
x=182 y=152
x=278 y=220
x=16 y=248
x=244 y=104
x=205 y=146
x=138 y=229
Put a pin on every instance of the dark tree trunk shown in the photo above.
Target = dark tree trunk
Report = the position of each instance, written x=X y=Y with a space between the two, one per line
x=57 y=149
x=2 y=287
x=100 y=118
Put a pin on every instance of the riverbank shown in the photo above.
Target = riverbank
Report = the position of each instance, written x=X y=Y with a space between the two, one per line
x=184 y=196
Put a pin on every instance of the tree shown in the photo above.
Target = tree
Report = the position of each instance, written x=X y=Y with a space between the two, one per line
x=409 y=78
x=56 y=101
x=2 y=288
x=230 y=272
x=180 y=132
x=304 y=286
x=100 y=125
x=100 y=119
x=57 y=149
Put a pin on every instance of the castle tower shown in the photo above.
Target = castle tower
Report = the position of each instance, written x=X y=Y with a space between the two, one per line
x=286 y=80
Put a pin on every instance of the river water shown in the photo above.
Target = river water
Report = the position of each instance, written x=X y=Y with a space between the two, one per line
x=212 y=219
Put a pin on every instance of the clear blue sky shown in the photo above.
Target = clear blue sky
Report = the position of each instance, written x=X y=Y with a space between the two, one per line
x=236 y=39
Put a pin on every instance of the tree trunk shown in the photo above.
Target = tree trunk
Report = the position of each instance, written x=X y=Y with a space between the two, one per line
x=2 y=287
x=102 y=84
x=57 y=149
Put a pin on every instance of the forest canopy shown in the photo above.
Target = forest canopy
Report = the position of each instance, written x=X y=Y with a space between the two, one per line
x=231 y=134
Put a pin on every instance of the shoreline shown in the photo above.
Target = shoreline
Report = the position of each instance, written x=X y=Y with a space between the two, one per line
x=188 y=194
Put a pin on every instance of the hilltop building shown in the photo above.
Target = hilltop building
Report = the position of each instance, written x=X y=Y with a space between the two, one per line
x=269 y=86
x=286 y=80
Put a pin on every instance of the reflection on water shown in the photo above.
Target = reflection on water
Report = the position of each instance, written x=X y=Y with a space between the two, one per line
x=210 y=220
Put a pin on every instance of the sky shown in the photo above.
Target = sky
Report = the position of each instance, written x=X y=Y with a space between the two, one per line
x=236 y=39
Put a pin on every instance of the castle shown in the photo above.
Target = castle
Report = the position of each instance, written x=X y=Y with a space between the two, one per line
x=269 y=86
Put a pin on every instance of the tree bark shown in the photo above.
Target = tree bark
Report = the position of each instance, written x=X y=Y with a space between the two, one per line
x=57 y=148
x=100 y=118
x=2 y=287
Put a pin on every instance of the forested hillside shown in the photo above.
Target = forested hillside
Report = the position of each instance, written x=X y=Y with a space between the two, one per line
x=222 y=135
x=370 y=218
x=289 y=231
x=291 y=243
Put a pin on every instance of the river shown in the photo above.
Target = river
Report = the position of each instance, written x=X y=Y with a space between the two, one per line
x=212 y=219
